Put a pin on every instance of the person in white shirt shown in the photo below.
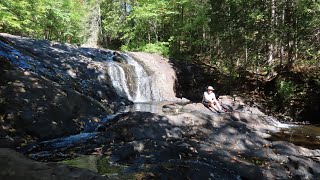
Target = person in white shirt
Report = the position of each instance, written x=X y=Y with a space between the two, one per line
x=209 y=100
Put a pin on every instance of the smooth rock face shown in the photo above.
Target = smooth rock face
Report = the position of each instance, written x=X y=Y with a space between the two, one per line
x=161 y=73
x=48 y=89
x=36 y=105
x=59 y=87
x=191 y=139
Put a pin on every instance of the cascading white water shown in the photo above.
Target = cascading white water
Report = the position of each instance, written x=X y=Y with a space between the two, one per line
x=143 y=89
x=118 y=79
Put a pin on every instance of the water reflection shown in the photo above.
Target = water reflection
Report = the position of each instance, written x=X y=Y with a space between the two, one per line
x=304 y=135
x=146 y=107
x=153 y=107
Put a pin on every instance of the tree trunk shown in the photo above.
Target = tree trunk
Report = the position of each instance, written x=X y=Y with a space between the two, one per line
x=246 y=53
x=282 y=55
x=271 y=43
x=290 y=38
x=125 y=13
x=156 y=31
x=181 y=25
x=93 y=26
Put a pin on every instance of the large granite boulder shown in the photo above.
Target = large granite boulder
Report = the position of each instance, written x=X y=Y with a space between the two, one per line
x=50 y=90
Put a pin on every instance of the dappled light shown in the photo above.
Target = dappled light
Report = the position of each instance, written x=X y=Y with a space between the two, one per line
x=217 y=145
x=126 y=116
x=159 y=89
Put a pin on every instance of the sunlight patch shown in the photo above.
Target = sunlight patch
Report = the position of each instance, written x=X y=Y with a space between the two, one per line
x=72 y=73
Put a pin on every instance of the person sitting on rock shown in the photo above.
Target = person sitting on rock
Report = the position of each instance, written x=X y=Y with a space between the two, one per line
x=209 y=100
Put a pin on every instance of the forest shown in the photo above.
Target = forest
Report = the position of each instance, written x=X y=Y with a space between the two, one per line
x=265 y=39
x=160 y=89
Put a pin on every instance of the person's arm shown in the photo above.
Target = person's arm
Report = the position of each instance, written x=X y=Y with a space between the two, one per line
x=217 y=103
x=214 y=97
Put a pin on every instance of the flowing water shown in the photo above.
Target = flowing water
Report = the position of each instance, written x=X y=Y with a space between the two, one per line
x=131 y=80
x=303 y=135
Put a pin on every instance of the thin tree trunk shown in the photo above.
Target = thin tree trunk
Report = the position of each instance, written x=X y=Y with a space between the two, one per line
x=296 y=39
x=282 y=38
x=93 y=26
x=246 y=53
x=156 y=31
x=272 y=22
x=182 y=21
x=289 y=33
x=125 y=13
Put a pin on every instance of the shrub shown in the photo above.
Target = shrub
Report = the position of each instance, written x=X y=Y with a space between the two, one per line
x=161 y=48
x=285 y=90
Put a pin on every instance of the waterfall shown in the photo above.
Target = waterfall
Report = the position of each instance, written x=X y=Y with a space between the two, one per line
x=132 y=81
x=118 y=79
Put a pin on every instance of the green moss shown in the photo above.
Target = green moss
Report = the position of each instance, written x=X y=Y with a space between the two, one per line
x=104 y=167
x=255 y=160
x=86 y=162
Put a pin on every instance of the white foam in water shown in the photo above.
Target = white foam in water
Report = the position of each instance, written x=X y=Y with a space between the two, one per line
x=145 y=90
x=68 y=141
x=277 y=123
x=118 y=78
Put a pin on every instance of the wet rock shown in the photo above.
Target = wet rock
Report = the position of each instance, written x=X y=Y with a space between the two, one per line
x=14 y=166
x=214 y=145
x=124 y=153
x=50 y=90
x=41 y=109
x=117 y=57
x=47 y=88
x=303 y=167
x=236 y=145
x=192 y=170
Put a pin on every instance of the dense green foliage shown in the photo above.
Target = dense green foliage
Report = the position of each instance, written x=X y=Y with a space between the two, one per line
x=235 y=33
x=252 y=34
x=59 y=20
x=285 y=91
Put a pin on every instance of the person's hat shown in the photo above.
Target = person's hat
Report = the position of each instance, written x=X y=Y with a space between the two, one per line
x=210 y=88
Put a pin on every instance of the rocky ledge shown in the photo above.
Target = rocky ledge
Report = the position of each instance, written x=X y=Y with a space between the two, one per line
x=50 y=90
x=191 y=142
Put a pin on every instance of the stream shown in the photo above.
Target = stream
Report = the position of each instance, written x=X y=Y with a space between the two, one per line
x=62 y=148
x=158 y=135
x=72 y=150
x=307 y=136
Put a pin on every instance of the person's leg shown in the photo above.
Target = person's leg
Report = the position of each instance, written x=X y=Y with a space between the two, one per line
x=206 y=104
x=213 y=107
x=217 y=105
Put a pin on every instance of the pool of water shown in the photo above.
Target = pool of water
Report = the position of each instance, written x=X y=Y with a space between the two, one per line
x=303 y=135
x=152 y=107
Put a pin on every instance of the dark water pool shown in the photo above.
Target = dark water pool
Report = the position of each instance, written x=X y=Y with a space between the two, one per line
x=303 y=135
